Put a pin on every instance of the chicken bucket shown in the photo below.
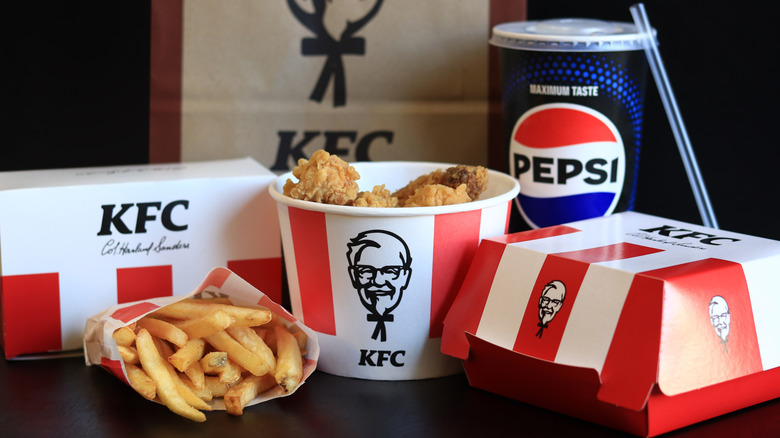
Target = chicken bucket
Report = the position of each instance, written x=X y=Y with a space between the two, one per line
x=376 y=283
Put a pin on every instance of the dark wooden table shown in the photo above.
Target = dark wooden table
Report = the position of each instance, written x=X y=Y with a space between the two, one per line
x=64 y=398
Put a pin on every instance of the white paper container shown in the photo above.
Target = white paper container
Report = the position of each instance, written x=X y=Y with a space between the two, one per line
x=399 y=340
x=658 y=324
x=75 y=241
x=101 y=349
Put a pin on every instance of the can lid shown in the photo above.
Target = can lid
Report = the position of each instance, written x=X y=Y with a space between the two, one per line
x=568 y=35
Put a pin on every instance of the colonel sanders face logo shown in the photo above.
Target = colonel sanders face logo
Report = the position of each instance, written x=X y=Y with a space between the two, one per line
x=550 y=303
x=720 y=317
x=380 y=269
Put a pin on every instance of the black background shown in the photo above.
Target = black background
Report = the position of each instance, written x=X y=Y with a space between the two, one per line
x=78 y=80
x=78 y=83
x=720 y=60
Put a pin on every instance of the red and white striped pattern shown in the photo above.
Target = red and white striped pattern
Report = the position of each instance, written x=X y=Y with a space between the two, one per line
x=38 y=317
x=64 y=256
x=636 y=304
x=322 y=296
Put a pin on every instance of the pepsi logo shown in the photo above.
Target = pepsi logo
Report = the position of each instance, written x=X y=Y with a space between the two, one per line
x=570 y=162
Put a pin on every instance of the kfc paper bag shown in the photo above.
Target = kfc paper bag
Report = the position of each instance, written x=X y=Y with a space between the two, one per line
x=101 y=349
x=368 y=80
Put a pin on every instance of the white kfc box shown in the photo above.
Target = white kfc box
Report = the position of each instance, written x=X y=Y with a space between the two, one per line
x=636 y=322
x=76 y=241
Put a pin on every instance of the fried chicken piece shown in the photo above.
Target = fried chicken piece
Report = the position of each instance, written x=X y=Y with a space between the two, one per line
x=323 y=178
x=378 y=197
x=328 y=179
x=475 y=178
x=438 y=194
x=421 y=181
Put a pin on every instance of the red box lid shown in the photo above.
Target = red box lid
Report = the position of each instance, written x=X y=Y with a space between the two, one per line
x=642 y=300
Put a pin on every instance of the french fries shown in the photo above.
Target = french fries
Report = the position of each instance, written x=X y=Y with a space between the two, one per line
x=164 y=330
x=206 y=325
x=289 y=365
x=129 y=354
x=254 y=343
x=217 y=362
x=154 y=365
x=141 y=382
x=193 y=308
x=190 y=352
x=251 y=362
x=242 y=393
x=124 y=336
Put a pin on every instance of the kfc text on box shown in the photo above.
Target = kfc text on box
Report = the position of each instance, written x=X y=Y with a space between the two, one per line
x=75 y=241
x=636 y=322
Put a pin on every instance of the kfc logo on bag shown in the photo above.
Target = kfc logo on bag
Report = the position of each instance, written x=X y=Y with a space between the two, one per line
x=334 y=38
x=570 y=162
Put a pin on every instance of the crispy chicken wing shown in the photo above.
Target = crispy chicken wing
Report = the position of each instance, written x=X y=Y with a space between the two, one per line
x=378 y=197
x=475 y=178
x=328 y=179
x=324 y=178
x=438 y=194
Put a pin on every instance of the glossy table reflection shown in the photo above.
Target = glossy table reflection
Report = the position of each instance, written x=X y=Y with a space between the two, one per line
x=63 y=397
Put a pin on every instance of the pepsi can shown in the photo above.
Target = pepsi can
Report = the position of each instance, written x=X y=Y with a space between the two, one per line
x=573 y=95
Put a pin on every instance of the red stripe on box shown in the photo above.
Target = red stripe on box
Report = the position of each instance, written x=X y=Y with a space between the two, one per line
x=264 y=274
x=31 y=313
x=136 y=284
x=689 y=334
x=533 y=337
x=541 y=233
x=129 y=313
x=618 y=251
x=455 y=241
x=631 y=365
x=466 y=311
x=310 y=245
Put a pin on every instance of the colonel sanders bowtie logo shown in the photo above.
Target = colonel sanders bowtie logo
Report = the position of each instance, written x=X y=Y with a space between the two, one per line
x=380 y=269
x=550 y=303
x=334 y=37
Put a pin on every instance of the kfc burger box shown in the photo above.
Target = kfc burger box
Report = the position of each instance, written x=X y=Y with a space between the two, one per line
x=636 y=322
x=75 y=241
x=101 y=349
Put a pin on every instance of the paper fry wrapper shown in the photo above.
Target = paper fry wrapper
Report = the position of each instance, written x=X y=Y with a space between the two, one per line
x=101 y=349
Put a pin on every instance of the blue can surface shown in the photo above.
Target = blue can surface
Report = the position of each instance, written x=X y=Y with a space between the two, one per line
x=573 y=100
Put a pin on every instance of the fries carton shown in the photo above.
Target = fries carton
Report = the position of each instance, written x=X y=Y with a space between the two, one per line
x=636 y=322
x=101 y=349
x=75 y=241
